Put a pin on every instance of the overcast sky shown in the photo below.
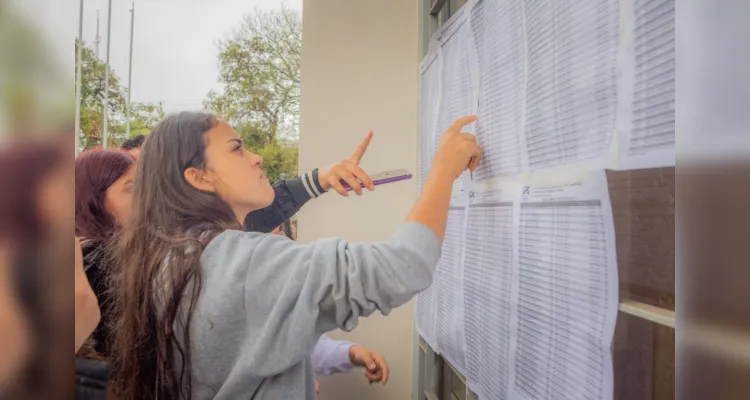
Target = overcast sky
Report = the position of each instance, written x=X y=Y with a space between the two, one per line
x=175 y=53
x=175 y=49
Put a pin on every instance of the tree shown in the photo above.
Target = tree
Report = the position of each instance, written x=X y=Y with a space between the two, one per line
x=143 y=116
x=279 y=162
x=259 y=70
x=92 y=99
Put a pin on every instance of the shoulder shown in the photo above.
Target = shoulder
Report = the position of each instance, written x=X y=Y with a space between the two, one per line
x=231 y=242
x=233 y=248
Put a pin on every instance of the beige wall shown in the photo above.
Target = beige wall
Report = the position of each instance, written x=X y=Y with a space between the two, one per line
x=360 y=72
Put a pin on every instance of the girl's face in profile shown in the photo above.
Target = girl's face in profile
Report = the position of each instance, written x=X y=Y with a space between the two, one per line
x=119 y=197
x=234 y=173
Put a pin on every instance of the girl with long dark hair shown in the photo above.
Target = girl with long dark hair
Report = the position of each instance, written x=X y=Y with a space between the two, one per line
x=209 y=311
x=103 y=193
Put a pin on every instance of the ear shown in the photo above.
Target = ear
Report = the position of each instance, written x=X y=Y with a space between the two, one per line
x=197 y=179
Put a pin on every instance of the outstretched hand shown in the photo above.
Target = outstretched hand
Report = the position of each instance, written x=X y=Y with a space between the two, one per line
x=457 y=151
x=348 y=171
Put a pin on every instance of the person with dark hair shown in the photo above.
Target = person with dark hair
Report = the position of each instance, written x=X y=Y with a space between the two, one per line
x=103 y=196
x=133 y=145
x=206 y=310
x=103 y=193
x=104 y=187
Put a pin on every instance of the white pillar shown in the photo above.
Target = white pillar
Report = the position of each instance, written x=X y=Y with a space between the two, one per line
x=372 y=84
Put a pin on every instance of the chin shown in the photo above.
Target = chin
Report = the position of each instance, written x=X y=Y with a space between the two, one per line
x=270 y=195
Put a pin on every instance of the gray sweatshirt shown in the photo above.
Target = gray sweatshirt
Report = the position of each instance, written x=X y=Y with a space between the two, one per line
x=266 y=300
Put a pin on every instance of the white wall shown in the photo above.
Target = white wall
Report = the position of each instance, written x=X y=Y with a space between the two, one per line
x=360 y=64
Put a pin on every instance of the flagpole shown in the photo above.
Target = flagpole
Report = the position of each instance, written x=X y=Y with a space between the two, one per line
x=105 y=137
x=130 y=69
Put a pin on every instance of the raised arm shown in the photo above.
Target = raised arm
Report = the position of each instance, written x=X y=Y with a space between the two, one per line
x=331 y=283
x=291 y=195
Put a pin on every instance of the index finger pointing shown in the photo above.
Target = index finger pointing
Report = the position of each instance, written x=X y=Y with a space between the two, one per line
x=463 y=121
x=360 y=150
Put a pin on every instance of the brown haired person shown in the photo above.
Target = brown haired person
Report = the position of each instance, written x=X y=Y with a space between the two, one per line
x=133 y=145
x=104 y=182
x=104 y=188
x=103 y=196
x=210 y=311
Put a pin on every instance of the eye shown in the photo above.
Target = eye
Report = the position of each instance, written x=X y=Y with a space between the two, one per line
x=239 y=149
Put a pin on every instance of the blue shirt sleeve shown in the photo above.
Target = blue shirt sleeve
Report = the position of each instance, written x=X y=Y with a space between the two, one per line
x=331 y=356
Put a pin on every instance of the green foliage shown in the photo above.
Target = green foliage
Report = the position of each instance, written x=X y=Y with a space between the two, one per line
x=143 y=116
x=279 y=162
x=259 y=70
x=34 y=85
x=93 y=77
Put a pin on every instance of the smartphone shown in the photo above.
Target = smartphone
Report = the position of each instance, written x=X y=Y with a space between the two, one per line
x=385 y=177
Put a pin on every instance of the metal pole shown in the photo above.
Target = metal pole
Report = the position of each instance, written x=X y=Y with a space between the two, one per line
x=105 y=137
x=98 y=38
x=79 y=55
x=130 y=70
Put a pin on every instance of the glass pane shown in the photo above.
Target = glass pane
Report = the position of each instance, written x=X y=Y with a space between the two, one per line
x=643 y=360
x=643 y=208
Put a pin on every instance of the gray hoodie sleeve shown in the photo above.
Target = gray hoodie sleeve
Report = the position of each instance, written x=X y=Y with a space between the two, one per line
x=295 y=292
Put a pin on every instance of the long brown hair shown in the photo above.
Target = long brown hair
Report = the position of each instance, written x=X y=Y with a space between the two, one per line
x=158 y=278
x=96 y=171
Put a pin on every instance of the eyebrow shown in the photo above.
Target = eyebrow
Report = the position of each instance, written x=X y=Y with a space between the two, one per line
x=236 y=140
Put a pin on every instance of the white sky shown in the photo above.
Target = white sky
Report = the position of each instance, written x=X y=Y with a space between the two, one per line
x=174 y=45
x=175 y=53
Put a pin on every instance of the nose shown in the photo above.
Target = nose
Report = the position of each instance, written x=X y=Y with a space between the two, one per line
x=256 y=160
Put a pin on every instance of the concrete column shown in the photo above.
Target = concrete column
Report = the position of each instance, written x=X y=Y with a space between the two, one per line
x=360 y=63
